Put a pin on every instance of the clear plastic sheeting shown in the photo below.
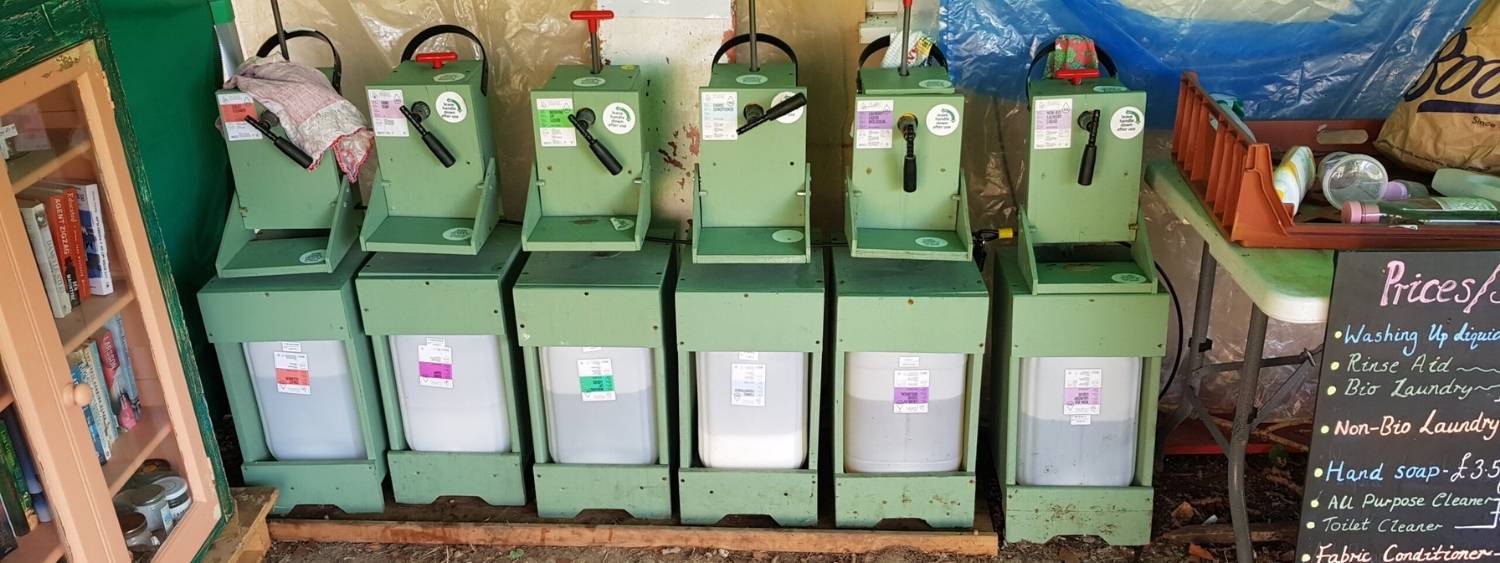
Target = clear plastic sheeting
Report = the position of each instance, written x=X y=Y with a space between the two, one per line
x=1287 y=59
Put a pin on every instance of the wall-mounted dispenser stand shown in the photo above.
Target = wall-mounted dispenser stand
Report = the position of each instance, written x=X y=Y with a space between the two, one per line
x=450 y=373
x=283 y=217
x=301 y=385
x=750 y=365
x=437 y=191
x=1083 y=318
x=906 y=196
x=595 y=334
x=753 y=191
x=591 y=185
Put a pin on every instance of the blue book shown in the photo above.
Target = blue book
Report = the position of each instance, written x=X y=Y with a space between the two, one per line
x=75 y=366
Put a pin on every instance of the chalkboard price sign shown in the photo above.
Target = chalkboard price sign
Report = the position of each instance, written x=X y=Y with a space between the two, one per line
x=1405 y=462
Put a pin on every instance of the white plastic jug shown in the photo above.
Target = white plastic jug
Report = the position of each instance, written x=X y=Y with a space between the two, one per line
x=1078 y=421
x=451 y=392
x=306 y=398
x=903 y=412
x=752 y=409
x=601 y=404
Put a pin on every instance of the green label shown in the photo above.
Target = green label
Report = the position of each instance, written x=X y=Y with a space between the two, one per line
x=553 y=118
x=596 y=383
x=1465 y=204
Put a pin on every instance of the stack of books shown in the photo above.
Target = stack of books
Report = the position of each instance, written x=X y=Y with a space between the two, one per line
x=65 y=223
x=21 y=498
x=104 y=365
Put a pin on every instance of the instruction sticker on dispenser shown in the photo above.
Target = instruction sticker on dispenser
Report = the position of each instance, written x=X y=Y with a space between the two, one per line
x=234 y=107
x=747 y=385
x=435 y=364
x=943 y=120
x=292 y=374
x=1127 y=122
x=750 y=356
x=720 y=115
x=873 y=120
x=1081 y=389
x=911 y=387
x=385 y=113
x=908 y=361
x=596 y=380
x=619 y=118
x=451 y=107
x=552 y=126
x=1053 y=128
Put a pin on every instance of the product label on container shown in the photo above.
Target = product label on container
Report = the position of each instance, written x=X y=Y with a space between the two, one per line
x=596 y=380
x=1053 y=128
x=873 y=122
x=911 y=387
x=552 y=126
x=750 y=356
x=720 y=115
x=1464 y=203
x=1080 y=420
x=385 y=113
x=234 y=107
x=435 y=364
x=908 y=361
x=291 y=370
x=747 y=385
x=1081 y=391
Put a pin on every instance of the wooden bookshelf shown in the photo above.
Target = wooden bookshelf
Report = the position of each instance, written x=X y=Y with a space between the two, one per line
x=31 y=168
x=42 y=545
x=135 y=447
x=86 y=321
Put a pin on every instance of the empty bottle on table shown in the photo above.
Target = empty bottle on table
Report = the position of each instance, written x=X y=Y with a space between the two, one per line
x=1424 y=211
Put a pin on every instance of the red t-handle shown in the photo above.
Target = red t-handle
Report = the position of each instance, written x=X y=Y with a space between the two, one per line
x=437 y=58
x=906 y=3
x=593 y=17
x=1076 y=75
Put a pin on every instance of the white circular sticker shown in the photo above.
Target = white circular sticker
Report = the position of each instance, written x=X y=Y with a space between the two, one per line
x=942 y=120
x=931 y=242
x=458 y=233
x=1128 y=277
x=935 y=83
x=588 y=81
x=451 y=107
x=448 y=77
x=751 y=79
x=789 y=118
x=1128 y=122
x=619 y=118
x=787 y=235
x=312 y=257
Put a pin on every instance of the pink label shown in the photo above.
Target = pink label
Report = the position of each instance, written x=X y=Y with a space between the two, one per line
x=911 y=396
x=1081 y=400
x=435 y=370
x=875 y=119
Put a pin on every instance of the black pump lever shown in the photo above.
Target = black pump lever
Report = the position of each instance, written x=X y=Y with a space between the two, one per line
x=581 y=121
x=1089 y=121
x=414 y=115
x=908 y=126
x=291 y=150
x=789 y=105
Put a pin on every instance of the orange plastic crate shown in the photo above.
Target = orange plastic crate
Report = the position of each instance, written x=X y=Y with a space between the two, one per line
x=1230 y=171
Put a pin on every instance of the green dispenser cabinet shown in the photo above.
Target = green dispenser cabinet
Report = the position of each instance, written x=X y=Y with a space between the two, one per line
x=437 y=191
x=591 y=184
x=594 y=329
x=1082 y=319
x=450 y=373
x=290 y=213
x=906 y=194
x=749 y=364
x=301 y=383
x=753 y=183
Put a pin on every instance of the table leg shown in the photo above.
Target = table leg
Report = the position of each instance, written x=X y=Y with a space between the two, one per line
x=1189 y=378
x=1239 y=438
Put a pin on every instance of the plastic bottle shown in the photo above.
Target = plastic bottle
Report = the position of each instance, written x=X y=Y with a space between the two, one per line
x=1351 y=177
x=601 y=404
x=1293 y=176
x=1455 y=182
x=752 y=409
x=904 y=412
x=316 y=421
x=451 y=382
x=1424 y=211
x=1078 y=421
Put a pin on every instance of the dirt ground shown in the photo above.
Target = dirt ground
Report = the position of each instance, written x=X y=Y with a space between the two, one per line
x=1191 y=490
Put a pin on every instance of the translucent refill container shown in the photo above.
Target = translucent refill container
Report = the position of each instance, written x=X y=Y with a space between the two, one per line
x=905 y=412
x=600 y=405
x=451 y=391
x=305 y=392
x=1078 y=421
x=752 y=409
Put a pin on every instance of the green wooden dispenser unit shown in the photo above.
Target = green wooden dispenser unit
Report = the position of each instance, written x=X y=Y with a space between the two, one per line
x=286 y=216
x=1083 y=321
x=753 y=183
x=906 y=194
x=301 y=384
x=437 y=190
x=450 y=378
x=591 y=184
x=749 y=364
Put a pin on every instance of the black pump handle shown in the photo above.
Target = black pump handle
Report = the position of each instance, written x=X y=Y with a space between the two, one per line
x=766 y=38
x=436 y=30
x=283 y=144
x=789 y=105
x=338 y=64
x=885 y=43
x=439 y=151
x=601 y=152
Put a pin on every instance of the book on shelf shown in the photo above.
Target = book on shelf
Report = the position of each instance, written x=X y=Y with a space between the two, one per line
x=67 y=236
x=94 y=374
x=75 y=366
x=11 y=460
x=34 y=214
x=95 y=241
x=112 y=365
x=122 y=389
x=28 y=466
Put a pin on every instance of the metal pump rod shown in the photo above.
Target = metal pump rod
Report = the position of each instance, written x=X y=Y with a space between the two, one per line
x=280 y=29
x=905 y=68
x=593 y=17
x=754 y=49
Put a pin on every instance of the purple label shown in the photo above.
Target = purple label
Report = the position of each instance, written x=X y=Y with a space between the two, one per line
x=1080 y=396
x=435 y=370
x=875 y=119
x=911 y=396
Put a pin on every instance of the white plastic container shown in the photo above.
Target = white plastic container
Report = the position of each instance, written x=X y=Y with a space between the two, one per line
x=451 y=392
x=903 y=413
x=601 y=405
x=1078 y=421
x=752 y=409
x=1352 y=177
x=306 y=398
